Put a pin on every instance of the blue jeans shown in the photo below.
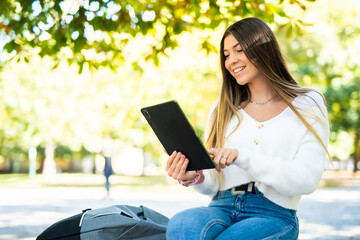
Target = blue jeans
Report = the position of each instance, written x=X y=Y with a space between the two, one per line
x=246 y=216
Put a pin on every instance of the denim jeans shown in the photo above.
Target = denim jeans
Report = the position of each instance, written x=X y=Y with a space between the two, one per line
x=245 y=216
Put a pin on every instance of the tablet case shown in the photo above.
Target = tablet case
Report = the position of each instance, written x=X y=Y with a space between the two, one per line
x=176 y=134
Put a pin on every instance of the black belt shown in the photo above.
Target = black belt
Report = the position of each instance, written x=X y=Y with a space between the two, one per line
x=241 y=189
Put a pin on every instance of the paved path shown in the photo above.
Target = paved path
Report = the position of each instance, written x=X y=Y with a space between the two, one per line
x=332 y=213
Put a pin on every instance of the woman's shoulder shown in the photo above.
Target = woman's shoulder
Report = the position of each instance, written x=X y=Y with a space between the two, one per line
x=310 y=99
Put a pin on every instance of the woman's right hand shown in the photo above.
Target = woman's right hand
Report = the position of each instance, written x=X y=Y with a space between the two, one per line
x=176 y=167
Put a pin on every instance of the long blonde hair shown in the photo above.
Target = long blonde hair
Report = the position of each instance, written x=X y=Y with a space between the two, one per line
x=261 y=47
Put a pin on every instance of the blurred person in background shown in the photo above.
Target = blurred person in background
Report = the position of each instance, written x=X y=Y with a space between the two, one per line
x=104 y=166
x=107 y=174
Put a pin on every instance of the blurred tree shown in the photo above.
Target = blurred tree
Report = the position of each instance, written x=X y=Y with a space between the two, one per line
x=344 y=102
x=327 y=58
x=51 y=107
x=95 y=32
x=341 y=65
x=45 y=108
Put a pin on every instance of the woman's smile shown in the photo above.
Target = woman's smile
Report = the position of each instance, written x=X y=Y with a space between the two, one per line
x=238 y=70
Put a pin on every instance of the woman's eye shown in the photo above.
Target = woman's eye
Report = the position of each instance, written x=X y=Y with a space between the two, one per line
x=226 y=56
x=240 y=50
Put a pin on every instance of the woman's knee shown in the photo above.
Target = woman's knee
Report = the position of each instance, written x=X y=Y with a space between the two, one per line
x=196 y=223
x=185 y=219
x=181 y=224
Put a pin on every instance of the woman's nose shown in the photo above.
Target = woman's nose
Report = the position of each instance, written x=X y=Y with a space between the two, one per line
x=233 y=58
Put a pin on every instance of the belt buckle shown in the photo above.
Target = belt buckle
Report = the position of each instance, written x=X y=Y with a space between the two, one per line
x=234 y=192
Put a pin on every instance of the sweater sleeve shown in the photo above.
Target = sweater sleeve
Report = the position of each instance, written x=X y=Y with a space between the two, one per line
x=211 y=184
x=297 y=176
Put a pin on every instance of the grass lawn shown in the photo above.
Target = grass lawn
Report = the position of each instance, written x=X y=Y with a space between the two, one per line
x=158 y=182
x=87 y=180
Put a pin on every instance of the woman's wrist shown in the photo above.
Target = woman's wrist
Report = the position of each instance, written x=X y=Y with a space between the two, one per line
x=198 y=179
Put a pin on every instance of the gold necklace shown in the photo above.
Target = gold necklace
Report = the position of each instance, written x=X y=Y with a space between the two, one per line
x=262 y=103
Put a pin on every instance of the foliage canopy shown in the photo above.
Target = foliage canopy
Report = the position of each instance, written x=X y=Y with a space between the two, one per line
x=96 y=31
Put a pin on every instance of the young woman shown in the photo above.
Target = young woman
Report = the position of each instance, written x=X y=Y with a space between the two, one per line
x=268 y=138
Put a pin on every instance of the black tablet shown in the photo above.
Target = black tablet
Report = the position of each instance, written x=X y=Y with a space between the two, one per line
x=175 y=133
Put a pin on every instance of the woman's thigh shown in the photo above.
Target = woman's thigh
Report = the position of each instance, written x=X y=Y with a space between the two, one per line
x=261 y=228
x=198 y=223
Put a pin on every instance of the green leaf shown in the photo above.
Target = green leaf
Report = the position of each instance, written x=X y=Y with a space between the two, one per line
x=79 y=44
x=289 y=31
x=178 y=27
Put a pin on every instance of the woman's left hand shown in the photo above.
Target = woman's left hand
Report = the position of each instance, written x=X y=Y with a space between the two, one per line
x=223 y=157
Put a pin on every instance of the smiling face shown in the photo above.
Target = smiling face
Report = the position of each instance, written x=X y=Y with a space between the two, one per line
x=236 y=62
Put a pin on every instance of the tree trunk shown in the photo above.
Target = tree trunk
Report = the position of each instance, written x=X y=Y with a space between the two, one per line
x=356 y=152
x=49 y=170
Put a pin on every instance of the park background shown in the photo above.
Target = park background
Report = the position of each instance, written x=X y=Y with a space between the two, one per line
x=74 y=75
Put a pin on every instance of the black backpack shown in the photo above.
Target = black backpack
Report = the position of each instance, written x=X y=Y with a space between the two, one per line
x=114 y=222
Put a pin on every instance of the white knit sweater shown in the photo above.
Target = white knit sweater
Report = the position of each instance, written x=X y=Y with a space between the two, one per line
x=287 y=160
